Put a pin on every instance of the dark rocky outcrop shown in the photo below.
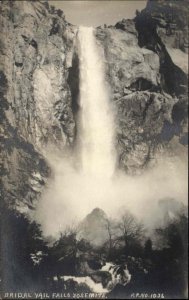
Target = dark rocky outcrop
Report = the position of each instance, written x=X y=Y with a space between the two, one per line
x=90 y=227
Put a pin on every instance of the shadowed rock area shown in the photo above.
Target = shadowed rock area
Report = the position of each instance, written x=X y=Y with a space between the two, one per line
x=147 y=69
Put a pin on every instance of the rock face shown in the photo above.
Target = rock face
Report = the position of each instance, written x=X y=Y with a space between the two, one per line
x=171 y=19
x=94 y=227
x=37 y=55
x=146 y=69
x=36 y=52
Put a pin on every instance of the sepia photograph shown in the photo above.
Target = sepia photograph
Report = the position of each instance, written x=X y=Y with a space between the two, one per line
x=94 y=149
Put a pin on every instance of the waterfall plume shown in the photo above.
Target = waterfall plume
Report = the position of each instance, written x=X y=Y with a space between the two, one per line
x=96 y=127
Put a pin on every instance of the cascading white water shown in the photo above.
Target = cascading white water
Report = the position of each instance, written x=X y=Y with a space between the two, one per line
x=96 y=117
x=97 y=287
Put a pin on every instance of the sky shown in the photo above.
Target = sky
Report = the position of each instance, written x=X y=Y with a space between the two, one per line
x=95 y=13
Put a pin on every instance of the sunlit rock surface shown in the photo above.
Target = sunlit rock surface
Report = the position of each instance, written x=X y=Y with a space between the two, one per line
x=36 y=53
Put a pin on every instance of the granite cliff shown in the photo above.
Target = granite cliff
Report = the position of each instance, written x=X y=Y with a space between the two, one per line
x=36 y=105
x=146 y=66
x=147 y=69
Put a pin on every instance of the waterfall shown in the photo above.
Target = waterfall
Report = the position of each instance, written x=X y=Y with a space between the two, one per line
x=96 y=127
x=73 y=192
